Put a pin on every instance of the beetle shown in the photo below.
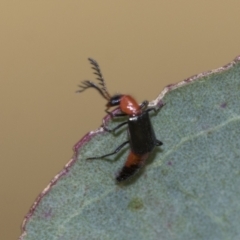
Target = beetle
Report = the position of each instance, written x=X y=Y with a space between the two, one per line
x=141 y=135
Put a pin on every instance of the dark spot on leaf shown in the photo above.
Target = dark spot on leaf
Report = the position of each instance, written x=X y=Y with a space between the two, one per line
x=164 y=172
x=209 y=132
x=223 y=105
x=48 y=213
x=169 y=163
x=135 y=204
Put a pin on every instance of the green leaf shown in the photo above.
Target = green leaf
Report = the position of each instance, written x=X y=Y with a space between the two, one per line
x=189 y=188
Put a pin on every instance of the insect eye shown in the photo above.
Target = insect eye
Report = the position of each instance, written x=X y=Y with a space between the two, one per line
x=115 y=100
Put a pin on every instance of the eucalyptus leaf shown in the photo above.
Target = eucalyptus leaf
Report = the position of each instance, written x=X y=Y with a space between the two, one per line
x=189 y=188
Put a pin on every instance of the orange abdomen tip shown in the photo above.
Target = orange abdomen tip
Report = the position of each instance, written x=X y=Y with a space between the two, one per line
x=132 y=165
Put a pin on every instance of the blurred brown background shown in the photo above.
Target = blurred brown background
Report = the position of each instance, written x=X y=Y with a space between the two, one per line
x=141 y=46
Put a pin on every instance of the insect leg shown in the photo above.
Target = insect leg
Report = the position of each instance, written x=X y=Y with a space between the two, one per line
x=109 y=154
x=120 y=115
x=115 y=115
x=144 y=105
x=158 y=143
x=115 y=128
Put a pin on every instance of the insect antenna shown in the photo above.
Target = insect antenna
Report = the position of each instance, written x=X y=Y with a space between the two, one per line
x=87 y=84
x=99 y=77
